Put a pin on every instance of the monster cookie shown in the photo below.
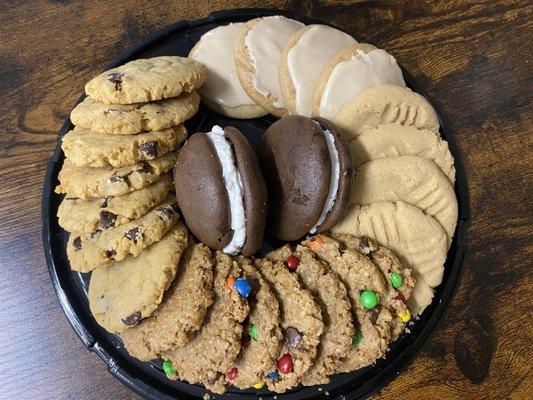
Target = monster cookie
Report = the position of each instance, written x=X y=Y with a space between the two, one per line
x=302 y=60
x=307 y=169
x=223 y=91
x=352 y=70
x=86 y=182
x=182 y=310
x=131 y=119
x=85 y=148
x=261 y=340
x=257 y=56
x=145 y=80
x=301 y=321
x=331 y=295
x=410 y=179
x=88 y=252
x=393 y=140
x=111 y=288
x=385 y=104
x=87 y=216
x=221 y=191
x=367 y=289
x=400 y=283
x=209 y=355
x=418 y=239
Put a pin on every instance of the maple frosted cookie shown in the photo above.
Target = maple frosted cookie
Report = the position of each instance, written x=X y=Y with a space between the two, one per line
x=302 y=60
x=131 y=119
x=87 y=182
x=394 y=140
x=148 y=79
x=209 y=355
x=261 y=340
x=87 y=216
x=86 y=148
x=410 y=179
x=122 y=294
x=301 y=323
x=416 y=238
x=182 y=311
x=308 y=173
x=353 y=69
x=223 y=91
x=257 y=56
x=326 y=286
x=385 y=104
x=91 y=251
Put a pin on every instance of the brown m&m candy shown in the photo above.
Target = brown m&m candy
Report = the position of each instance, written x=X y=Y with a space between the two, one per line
x=307 y=168
x=221 y=191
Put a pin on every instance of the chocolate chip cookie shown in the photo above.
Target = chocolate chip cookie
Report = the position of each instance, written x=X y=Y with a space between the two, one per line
x=86 y=148
x=209 y=355
x=182 y=310
x=90 y=251
x=301 y=322
x=87 y=182
x=88 y=216
x=330 y=293
x=131 y=119
x=147 y=80
x=122 y=294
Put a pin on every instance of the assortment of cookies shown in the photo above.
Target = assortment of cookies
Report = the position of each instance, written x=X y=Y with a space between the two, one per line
x=354 y=178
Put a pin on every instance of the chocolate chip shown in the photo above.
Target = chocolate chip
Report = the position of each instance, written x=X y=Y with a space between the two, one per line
x=144 y=167
x=132 y=319
x=175 y=207
x=149 y=149
x=166 y=213
x=110 y=254
x=292 y=337
x=111 y=111
x=133 y=234
x=76 y=243
x=71 y=198
x=107 y=219
x=105 y=202
x=116 y=179
x=116 y=78
x=214 y=378
x=373 y=315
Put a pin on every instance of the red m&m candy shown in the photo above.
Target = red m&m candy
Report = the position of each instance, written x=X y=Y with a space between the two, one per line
x=285 y=364
x=232 y=374
x=292 y=263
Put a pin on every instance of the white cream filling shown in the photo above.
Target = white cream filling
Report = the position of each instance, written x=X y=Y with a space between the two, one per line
x=233 y=183
x=334 y=181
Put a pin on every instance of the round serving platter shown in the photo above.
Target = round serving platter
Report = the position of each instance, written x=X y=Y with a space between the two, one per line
x=147 y=379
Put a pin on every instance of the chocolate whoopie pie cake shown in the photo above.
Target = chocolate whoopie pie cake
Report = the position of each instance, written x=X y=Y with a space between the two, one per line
x=221 y=191
x=307 y=168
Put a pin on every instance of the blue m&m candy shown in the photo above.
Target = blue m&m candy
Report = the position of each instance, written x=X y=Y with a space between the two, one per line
x=242 y=286
x=273 y=375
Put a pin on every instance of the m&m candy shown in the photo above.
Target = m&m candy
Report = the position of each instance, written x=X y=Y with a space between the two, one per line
x=369 y=299
x=230 y=282
x=357 y=338
x=232 y=374
x=396 y=280
x=273 y=375
x=292 y=263
x=259 y=385
x=315 y=243
x=253 y=332
x=243 y=287
x=405 y=316
x=168 y=369
x=285 y=363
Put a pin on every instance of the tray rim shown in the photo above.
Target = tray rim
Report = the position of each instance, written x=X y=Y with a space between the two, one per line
x=71 y=305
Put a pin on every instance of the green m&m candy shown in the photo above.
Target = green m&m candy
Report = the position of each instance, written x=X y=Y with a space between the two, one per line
x=369 y=299
x=396 y=280
x=253 y=332
x=168 y=369
x=357 y=338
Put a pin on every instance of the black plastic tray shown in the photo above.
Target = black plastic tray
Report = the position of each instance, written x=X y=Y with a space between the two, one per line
x=147 y=379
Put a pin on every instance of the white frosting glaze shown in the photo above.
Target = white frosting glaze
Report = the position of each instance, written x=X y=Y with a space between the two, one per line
x=233 y=182
x=307 y=58
x=215 y=50
x=360 y=72
x=333 y=183
x=264 y=42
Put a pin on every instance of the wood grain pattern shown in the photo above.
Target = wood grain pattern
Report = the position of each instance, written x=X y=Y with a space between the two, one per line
x=474 y=58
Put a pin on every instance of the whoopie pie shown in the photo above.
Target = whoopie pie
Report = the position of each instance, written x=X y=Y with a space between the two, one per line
x=308 y=172
x=221 y=191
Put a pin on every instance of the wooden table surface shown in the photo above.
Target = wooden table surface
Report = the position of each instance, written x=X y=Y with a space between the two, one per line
x=473 y=57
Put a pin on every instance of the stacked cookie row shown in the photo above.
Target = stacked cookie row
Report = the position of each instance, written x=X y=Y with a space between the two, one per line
x=297 y=316
x=119 y=207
